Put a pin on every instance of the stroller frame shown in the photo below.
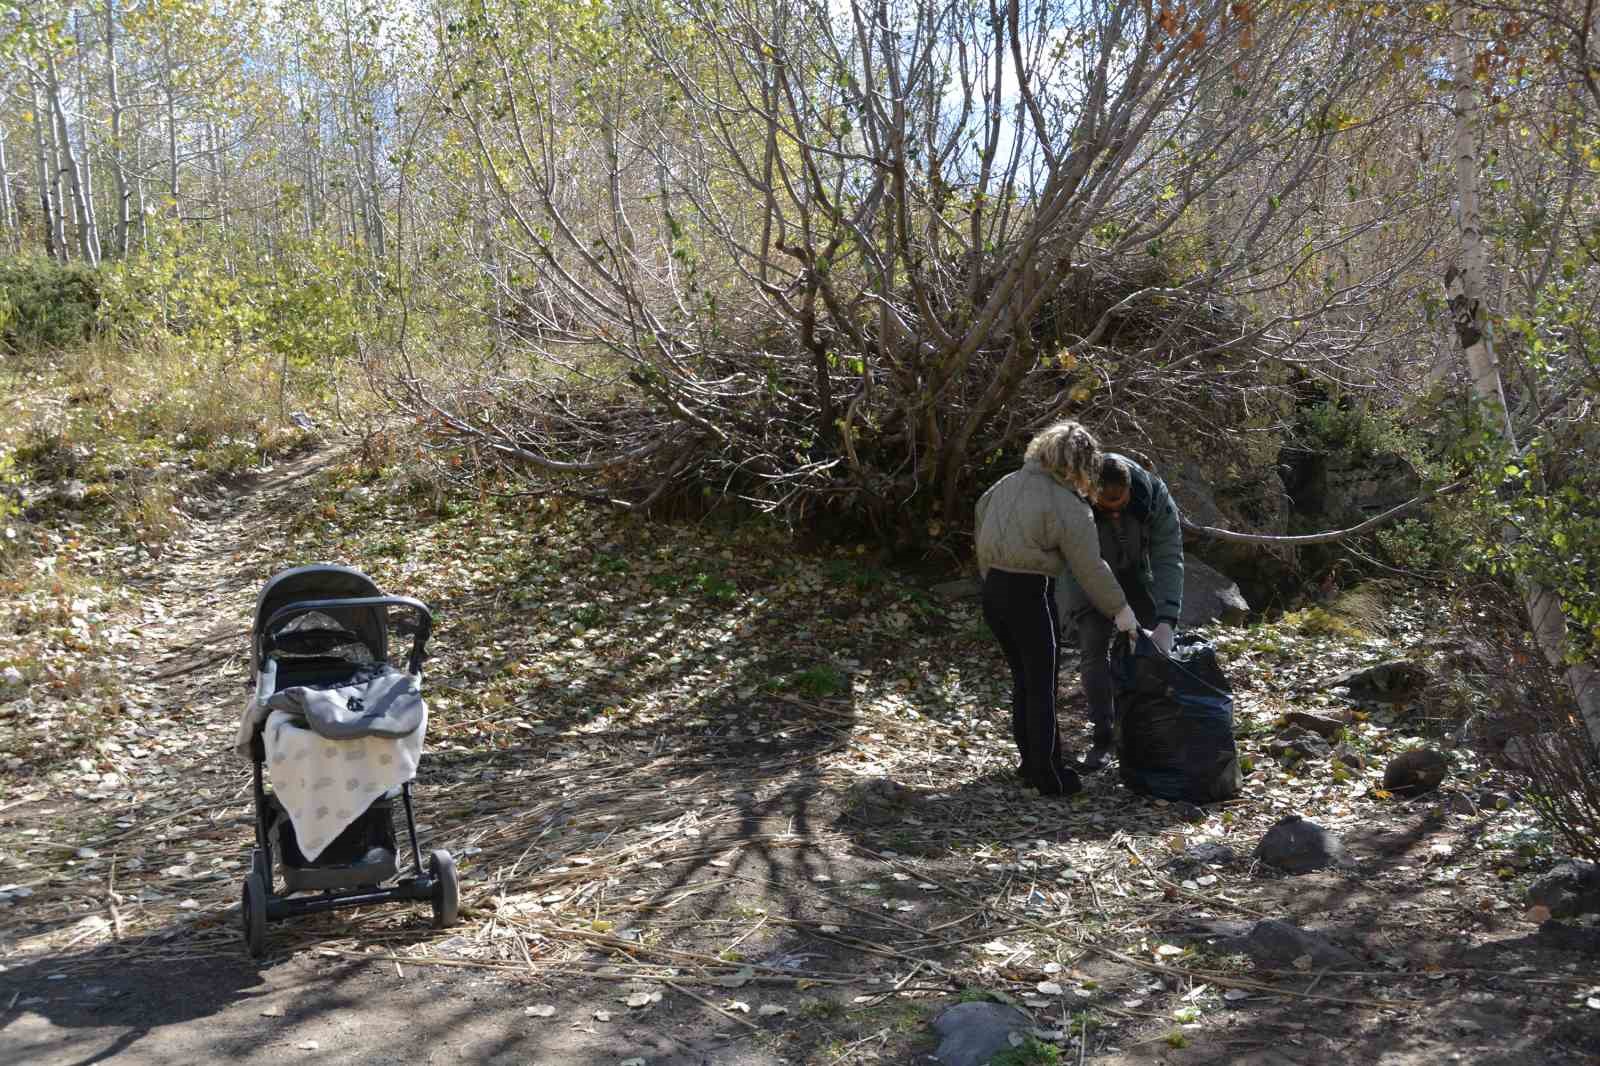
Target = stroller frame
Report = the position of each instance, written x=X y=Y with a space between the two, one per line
x=349 y=884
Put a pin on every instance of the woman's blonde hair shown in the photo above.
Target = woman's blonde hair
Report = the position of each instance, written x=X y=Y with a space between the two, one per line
x=1068 y=452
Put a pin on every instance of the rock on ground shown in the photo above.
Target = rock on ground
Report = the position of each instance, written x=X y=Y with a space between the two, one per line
x=1570 y=889
x=1298 y=846
x=1276 y=944
x=974 y=1032
x=1411 y=773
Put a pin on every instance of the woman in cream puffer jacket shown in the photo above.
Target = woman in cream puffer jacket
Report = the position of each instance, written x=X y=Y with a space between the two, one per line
x=1032 y=523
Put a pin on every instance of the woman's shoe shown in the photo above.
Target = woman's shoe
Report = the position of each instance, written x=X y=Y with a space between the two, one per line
x=1062 y=781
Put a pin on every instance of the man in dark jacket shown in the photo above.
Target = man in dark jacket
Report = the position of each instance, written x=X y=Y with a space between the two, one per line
x=1141 y=540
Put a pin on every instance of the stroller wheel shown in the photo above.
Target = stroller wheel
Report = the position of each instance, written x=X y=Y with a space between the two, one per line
x=253 y=911
x=261 y=863
x=446 y=889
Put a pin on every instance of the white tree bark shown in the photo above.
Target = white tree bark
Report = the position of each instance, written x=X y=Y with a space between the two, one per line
x=88 y=245
x=119 y=173
x=168 y=77
x=50 y=223
x=1464 y=288
x=85 y=160
x=8 y=216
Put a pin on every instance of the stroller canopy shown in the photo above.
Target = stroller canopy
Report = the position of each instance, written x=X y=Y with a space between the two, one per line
x=359 y=627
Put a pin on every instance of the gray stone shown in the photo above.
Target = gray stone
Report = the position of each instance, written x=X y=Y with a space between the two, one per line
x=1215 y=854
x=1327 y=728
x=1529 y=753
x=1350 y=757
x=1207 y=854
x=1411 y=773
x=1275 y=944
x=1394 y=681
x=72 y=492
x=973 y=1033
x=1210 y=596
x=1496 y=799
x=1571 y=889
x=1297 y=846
x=1299 y=744
x=964 y=588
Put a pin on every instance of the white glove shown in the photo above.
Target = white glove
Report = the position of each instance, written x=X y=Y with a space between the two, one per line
x=1126 y=621
x=1162 y=636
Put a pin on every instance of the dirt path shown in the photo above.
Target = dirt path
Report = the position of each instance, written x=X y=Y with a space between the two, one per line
x=130 y=951
x=671 y=859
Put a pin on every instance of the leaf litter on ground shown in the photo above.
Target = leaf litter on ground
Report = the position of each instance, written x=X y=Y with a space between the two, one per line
x=584 y=658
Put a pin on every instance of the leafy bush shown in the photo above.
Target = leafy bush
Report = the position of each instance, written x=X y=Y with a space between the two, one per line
x=46 y=305
x=819 y=682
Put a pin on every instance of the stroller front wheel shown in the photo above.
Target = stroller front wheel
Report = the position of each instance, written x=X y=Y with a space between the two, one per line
x=253 y=912
x=446 y=889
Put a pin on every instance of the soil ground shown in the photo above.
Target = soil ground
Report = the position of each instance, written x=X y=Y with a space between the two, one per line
x=685 y=840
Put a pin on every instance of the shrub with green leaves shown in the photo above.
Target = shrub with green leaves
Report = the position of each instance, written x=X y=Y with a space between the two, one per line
x=46 y=305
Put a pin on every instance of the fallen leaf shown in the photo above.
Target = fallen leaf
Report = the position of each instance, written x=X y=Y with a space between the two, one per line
x=738 y=1005
x=542 y=1010
x=1538 y=913
x=1169 y=950
x=308 y=1045
x=771 y=1010
x=602 y=1016
x=1049 y=988
x=1303 y=962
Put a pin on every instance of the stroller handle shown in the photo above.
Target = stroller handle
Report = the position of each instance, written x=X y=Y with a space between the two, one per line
x=300 y=607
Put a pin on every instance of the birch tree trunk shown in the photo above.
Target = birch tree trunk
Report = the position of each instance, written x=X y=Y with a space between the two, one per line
x=82 y=211
x=85 y=160
x=119 y=173
x=8 y=216
x=1464 y=287
x=172 y=121
x=55 y=243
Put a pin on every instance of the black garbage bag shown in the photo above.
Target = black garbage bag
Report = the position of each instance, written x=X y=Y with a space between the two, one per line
x=1174 y=729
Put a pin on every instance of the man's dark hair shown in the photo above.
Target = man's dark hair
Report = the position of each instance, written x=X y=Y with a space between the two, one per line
x=1115 y=473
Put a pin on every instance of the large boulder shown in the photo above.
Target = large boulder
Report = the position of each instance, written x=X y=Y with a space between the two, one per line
x=1245 y=499
x=1394 y=681
x=1208 y=596
x=1346 y=488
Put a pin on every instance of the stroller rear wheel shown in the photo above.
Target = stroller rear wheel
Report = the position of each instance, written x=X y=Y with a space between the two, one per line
x=253 y=912
x=446 y=889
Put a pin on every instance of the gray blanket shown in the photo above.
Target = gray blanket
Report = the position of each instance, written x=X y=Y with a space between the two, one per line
x=388 y=705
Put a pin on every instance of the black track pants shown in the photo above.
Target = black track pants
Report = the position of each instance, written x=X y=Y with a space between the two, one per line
x=1021 y=612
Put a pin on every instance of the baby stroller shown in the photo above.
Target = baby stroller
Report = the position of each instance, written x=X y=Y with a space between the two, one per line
x=339 y=730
